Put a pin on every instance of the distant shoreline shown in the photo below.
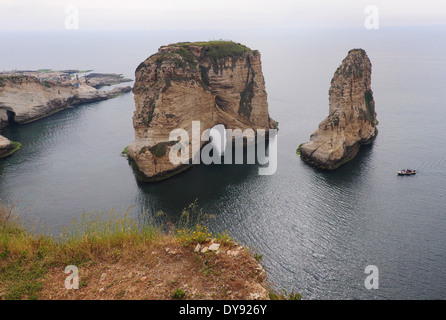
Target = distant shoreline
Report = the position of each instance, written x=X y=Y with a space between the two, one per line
x=117 y=259
x=27 y=96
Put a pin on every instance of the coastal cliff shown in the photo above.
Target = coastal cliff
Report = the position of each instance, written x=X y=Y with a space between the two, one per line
x=352 y=119
x=215 y=82
x=25 y=98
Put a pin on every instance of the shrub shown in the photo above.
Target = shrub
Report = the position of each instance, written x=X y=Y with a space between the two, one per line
x=160 y=149
x=125 y=152
x=187 y=56
x=223 y=237
x=191 y=226
x=258 y=256
x=204 y=75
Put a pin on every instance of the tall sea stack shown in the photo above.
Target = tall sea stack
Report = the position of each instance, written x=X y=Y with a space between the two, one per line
x=216 y=82
x=352 y=119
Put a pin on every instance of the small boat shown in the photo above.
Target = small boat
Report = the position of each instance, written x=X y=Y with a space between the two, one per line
x=406 y=172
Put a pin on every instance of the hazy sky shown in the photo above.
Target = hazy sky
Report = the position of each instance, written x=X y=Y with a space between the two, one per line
x=215 y=14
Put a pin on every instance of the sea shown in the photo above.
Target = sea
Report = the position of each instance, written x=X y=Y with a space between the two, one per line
x=317 y=232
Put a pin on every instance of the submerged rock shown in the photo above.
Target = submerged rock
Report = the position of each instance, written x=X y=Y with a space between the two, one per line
x=352 y=119
x=8 y=147
x=216 y=82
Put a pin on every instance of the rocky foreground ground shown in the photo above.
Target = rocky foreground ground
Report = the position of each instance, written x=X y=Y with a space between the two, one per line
x=352 y=118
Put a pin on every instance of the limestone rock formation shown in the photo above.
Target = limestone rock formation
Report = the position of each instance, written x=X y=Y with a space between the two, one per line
x=26 y=98
x=216 y=82
x=352 y=119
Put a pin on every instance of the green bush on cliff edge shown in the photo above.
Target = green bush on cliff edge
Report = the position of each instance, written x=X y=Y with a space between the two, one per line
x=217 y=49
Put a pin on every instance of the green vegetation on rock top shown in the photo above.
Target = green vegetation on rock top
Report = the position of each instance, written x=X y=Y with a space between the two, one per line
x=361 y=51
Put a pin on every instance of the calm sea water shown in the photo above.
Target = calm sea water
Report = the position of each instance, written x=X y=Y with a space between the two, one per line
x=317 y=230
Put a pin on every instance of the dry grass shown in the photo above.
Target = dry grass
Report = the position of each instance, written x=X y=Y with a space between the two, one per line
x=119 y=259
x=160 y=270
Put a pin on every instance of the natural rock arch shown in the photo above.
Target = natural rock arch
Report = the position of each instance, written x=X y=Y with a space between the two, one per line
x=10 y=116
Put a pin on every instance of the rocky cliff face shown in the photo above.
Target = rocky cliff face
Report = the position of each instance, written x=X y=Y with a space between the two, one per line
x=25 y=98
x=215 y=82
x=352 y=119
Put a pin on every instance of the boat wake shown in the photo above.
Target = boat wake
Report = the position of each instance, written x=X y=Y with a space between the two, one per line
x=432 y=164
